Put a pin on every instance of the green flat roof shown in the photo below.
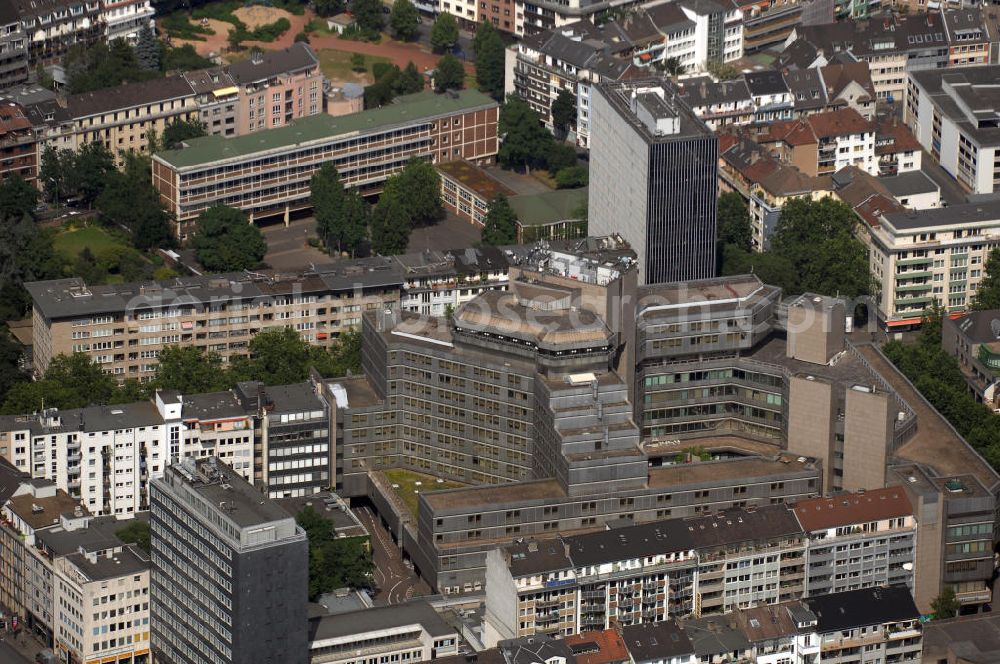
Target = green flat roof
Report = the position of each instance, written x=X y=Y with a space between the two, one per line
x=548 y=208
x=409 y=108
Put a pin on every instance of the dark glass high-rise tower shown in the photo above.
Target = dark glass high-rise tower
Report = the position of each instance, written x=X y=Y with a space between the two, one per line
x=653 y=169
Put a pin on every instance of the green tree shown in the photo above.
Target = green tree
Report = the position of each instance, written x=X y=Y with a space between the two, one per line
x=11 y=372
x=988 y=294
x=449 y=73
x=52 y=173
x=190 y=370
x=277 y=357
x=17 y=197
x=410 y=80
x=136 y=533
x=723 y=71
x=179 y=131
x=226 y=242
x=327 y=8
x=817 y=237
x=672 y=66
x=89 y=171
x=129 y=200
x=103 y=65
x=404 y=20
x=770 y=267
x=391 y=226
x=71 y=381
x=559 y=156
x=500 y=224
x=358 y=63
x=564 y=112
x=181 y=58
x=945 y=605
x=417 y=188
x=369 y=16
x=327 y=194
x=340 y=221
x=444 y=33
x=733 y=221
x=26 y=254
x=572 y=177
x=147 y=50
x=489 y=60
x=334 y=562
x=525 y=140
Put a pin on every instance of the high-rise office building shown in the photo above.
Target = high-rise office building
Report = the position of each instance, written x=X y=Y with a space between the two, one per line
x=653 y=179
x=230 y=571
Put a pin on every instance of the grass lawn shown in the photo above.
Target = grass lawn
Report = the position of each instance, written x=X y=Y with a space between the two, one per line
x=408 y=484
x=71 y=241
x=336 y=65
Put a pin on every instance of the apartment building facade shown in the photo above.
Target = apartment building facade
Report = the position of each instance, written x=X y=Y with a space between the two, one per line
x=268 y=173
x=124 y=327
x=950 y=113
x=874 y=623
x=718 y=564
x=974 y=340
x=18 y=144
x=858 y=540
x=229 y=578
x=925 y=256
x=893 y=46
x=125 y=19
x=123 y=118
x=114 y=578
x=269 y=89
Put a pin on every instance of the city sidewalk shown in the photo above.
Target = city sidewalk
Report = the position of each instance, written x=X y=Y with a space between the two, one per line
x=24 y=643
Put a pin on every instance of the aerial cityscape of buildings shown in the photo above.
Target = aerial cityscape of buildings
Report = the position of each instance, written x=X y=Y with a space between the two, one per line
x=549 y=332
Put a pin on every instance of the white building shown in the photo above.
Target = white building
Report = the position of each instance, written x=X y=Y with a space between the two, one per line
x=105 y=455
x=953 y=114
x=919 y=257
x=123 y=19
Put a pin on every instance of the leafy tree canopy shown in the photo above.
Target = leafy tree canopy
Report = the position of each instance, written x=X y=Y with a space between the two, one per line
x=404 y=20
x=136 y=533
x=564 y=112
x=334 y=562
x=449 y=73
x=417 y=188
x=391 y=226
x=988 y=293
x=733 y=221
x=369 y=16
x=490 y=54
x=500 y=224
x=444 y=32
x=179 y=131
x=227 y=242
x=526 y=142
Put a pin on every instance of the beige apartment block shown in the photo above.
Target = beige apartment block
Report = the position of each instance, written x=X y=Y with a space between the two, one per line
x=124 y=327
x=102 y=606
x=123 y=118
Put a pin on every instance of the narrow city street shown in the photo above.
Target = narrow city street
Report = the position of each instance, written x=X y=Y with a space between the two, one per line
x=395 y=581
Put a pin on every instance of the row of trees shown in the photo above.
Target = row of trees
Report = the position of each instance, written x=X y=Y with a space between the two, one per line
x=345 y=221
x=812 y=248
x=277 y=357
x=101 y=65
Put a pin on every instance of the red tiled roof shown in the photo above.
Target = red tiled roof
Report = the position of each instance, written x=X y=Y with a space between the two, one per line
x=792 y=132
x=903 y=139
x=822 y=513
x=837 y=123
x=608 y=647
